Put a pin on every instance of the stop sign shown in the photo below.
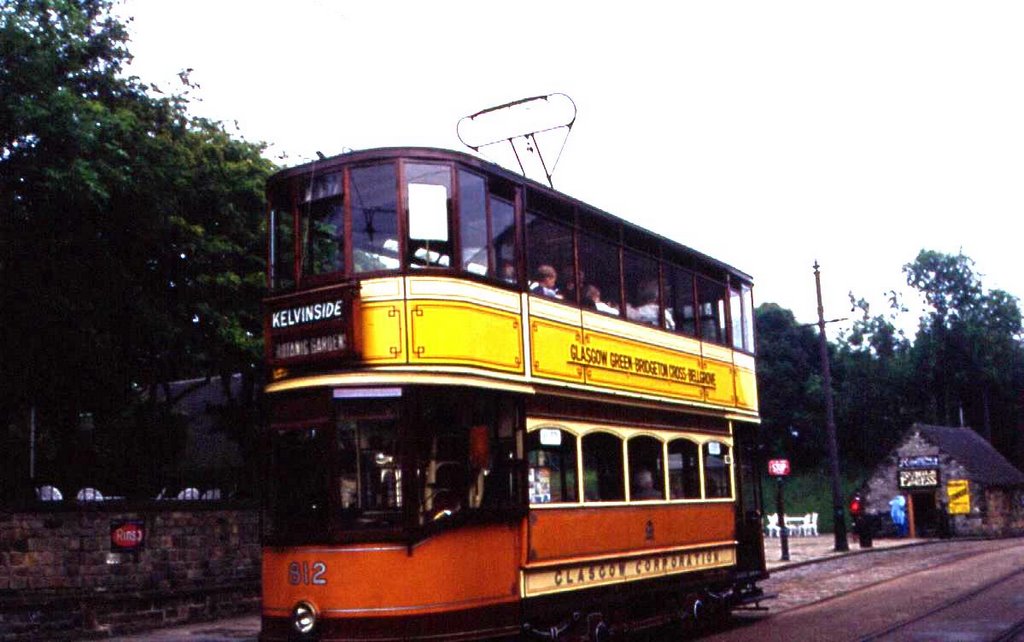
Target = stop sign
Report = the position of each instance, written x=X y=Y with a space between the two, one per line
x=778 y=467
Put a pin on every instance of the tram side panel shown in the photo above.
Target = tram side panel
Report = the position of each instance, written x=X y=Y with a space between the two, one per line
x=462 y=584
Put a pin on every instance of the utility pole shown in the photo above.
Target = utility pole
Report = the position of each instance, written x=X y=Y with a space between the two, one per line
x=838 y=511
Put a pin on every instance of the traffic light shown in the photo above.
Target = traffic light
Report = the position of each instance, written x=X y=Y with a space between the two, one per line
x=856 y=506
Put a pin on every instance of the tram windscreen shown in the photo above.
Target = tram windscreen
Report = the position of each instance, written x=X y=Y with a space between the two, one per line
x=367 y=475
x=297 y=501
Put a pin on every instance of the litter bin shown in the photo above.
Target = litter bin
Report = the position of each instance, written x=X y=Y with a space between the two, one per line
x=865 y=530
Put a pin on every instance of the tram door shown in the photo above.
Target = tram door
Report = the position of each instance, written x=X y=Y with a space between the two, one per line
x=750 y=551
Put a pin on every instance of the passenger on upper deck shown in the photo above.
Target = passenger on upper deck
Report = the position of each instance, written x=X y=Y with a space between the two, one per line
x=647 y=310
x=592 y=300
x=545 y=280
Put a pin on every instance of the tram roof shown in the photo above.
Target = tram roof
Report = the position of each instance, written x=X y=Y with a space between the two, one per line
x=438 y=154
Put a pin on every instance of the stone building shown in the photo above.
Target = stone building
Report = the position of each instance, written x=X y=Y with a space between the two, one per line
x=953 y=481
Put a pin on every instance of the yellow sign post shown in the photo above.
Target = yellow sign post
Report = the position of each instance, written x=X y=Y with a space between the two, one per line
x=959 y=494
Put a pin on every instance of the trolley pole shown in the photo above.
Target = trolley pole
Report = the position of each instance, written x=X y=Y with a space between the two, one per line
x=838 y=511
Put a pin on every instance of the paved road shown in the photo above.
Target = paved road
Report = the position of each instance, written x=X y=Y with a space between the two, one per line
x=942 y=591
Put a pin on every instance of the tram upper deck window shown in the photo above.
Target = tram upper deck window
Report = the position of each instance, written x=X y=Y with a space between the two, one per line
x=748 y=318
x=282 y=242
x=503 y=238
x=600 y=274
x=677 y=287
x=321 y=219
x=551 y=453
x=549 y=245
x=476 y=254
x=741 y=310
x=374 y=205
x=486 y=228
x=642 y=295
x=429 y=190
x=711 y=298
x=602 y=468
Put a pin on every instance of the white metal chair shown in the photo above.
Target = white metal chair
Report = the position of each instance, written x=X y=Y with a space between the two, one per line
x=49 y=493
x=89 y=495
x=189 y=494
x=773 y=528
x=810 y=527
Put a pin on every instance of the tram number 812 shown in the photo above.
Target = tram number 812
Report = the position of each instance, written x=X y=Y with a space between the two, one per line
x=306 y=573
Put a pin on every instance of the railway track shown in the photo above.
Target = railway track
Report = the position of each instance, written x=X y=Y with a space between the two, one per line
x=975 y=609
x=947 y=591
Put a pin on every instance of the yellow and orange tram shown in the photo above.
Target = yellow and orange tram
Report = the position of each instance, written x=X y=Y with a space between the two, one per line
x=497 y=412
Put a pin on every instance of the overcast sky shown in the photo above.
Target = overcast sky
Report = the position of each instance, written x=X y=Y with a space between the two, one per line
x=765 y=134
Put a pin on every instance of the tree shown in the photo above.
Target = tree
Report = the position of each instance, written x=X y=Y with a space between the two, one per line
x=967 y=351
x=130 y=232
x=789 y=385
x=870 y=375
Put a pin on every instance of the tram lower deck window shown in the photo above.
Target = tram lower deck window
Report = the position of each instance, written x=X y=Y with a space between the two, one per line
x=552 y=456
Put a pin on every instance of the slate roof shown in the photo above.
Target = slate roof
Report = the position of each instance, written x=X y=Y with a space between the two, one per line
x=970 y=449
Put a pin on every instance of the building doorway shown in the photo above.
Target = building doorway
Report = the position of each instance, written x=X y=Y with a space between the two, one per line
x=924 y=515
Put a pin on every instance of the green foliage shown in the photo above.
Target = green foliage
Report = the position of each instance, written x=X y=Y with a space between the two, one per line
x=966 y=358
x=131 y=233
x=810 y=491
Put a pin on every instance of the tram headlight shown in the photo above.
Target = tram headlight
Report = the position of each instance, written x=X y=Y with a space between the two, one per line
x=304 y=617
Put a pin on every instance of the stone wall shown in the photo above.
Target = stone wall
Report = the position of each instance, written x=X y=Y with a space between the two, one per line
x=60 y=574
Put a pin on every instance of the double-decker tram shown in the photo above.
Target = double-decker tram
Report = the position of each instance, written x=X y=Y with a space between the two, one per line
x=497 y=412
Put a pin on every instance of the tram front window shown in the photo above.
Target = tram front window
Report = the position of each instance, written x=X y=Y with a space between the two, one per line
x=367 y=475
x=298 y=505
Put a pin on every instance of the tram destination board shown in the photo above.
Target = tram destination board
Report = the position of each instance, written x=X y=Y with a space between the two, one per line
x=310 y=328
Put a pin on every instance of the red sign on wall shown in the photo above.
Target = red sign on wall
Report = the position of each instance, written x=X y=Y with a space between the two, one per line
x=778 y=467
x=127 y=534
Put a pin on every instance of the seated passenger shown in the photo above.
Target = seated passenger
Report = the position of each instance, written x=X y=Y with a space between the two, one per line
x=508 y=272
x=643 y=486
x=592 y=300
x=647 y=311
x=544 y=283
